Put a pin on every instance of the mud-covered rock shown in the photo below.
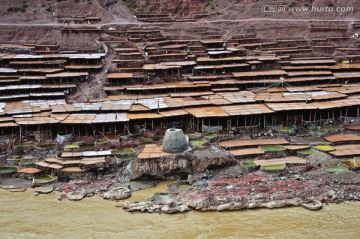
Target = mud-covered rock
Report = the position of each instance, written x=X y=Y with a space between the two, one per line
x=117 y=194
x=76 y=195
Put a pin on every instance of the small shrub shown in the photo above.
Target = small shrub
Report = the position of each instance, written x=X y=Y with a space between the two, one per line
x=131 y=4
x=17 y=9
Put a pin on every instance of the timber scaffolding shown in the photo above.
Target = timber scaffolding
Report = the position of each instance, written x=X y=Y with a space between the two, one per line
x=153 y=18
x=44 y=74
x=330 y=26
x=194 y=84
x=78 y=19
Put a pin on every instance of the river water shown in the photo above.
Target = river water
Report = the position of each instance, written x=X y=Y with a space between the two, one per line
x=22 y=215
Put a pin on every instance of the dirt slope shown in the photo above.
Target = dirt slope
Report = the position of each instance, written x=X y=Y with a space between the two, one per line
x=240 y=9
x=40 y=11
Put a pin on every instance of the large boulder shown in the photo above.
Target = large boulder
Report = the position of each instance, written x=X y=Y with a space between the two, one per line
x=175 y=141
x=180 y=165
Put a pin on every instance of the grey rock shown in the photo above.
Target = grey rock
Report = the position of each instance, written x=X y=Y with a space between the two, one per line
x=202 y=184
x=190 y=179
x=175 y=141
x=117 y=194
x=183 y=208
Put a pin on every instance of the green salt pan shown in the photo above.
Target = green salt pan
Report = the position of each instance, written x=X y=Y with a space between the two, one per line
x=272 y=148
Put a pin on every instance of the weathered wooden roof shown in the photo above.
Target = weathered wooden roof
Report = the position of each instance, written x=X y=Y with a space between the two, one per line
x=252 y=142
x=207 y=112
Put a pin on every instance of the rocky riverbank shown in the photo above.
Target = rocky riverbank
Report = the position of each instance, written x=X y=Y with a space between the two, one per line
x=211 y=179
x=234 y=189
x=218 y=189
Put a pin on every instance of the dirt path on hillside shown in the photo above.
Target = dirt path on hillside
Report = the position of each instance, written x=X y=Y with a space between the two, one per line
x=190 y=23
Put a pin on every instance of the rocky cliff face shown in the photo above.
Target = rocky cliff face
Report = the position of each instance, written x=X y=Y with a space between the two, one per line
x=178 y=166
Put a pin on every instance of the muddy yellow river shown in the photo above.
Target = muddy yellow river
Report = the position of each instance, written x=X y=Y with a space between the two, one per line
x=22 y=215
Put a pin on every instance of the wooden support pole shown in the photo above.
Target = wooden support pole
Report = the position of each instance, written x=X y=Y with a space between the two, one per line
x=264 y=121
x=320 y=116
x=341 y=115
x=287 y=118
x=346 y=113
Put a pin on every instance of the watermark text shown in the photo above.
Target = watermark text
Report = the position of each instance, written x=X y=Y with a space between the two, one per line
x=284 y=8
